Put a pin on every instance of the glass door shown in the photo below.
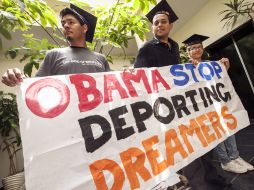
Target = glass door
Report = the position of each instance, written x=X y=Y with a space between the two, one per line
x=238 y=46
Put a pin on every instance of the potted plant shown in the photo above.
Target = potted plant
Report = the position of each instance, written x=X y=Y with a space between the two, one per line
x=10 y=139
x=236 y=9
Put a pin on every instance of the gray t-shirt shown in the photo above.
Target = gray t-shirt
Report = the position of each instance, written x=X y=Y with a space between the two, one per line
x=71 y=60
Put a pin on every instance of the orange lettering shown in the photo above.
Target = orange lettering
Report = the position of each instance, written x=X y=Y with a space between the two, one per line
x=131 y=168
x=215 y=121
x=170 y=149
x=97 y=168
x=152 y=155
x=184 y=130
x=205 y=128
x=227 y=116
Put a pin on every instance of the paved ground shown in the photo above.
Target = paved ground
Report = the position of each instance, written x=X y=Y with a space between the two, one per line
x=245 y=143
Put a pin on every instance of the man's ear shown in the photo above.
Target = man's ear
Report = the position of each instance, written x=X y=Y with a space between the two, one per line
x=85 y=28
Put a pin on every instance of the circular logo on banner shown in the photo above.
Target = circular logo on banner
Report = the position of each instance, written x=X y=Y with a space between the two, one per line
x=55 y=88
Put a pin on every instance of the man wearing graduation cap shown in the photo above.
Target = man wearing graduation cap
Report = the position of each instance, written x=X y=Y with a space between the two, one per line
x=78 y=27
x=195 y=49
x=211 y=177
x=161 y=50
x=230 y=160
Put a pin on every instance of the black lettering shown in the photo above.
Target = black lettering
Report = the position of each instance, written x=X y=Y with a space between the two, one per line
x=203 y=97
x=226 y=96
x=191 y=94
x=121 y=133
x=140 y=117
x=211 y=93
x=86 y=125
x=171 y=114
x=180 y=105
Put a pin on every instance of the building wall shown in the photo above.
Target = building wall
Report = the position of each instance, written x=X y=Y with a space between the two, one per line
x=206 y=22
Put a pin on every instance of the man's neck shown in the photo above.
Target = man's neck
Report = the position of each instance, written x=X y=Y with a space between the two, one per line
x=198 y=60
x=163 y=39
x=78 y=43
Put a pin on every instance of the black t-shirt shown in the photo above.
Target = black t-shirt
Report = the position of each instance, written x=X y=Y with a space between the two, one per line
x=158 y=54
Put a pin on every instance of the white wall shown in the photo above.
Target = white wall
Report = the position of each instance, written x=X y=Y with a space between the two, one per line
x=206 y=22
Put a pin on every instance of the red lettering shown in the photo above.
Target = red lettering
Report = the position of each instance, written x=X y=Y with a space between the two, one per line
x=157 y=78
x=83 y=92
x=111 y=83
x=140 y=75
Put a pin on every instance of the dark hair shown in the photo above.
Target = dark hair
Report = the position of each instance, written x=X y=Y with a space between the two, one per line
x=68 y=11
x=165 y=13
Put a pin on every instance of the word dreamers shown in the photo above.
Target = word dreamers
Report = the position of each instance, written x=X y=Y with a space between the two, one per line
x=204 y=129
x=90 y=96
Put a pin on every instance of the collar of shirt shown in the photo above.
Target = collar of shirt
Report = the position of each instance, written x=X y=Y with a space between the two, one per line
x=169 y=45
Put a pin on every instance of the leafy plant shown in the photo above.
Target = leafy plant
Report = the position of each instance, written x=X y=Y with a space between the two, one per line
x=236 y=9
x=22 y=14
x=9 y=123
x=116 y=26
x=183 y=54
x=33 y=51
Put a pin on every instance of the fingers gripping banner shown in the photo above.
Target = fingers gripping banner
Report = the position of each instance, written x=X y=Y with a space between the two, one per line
x=124 y=130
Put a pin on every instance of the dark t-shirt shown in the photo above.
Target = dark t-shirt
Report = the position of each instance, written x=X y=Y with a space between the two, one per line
x=158 y=54
x=70 y=60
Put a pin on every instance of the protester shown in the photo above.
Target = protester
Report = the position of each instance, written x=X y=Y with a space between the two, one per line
x=161 y=50
x=195 y=52
x=78 y=27
x=226 y=151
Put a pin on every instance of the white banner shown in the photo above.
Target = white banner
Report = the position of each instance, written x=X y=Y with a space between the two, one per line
x=122 y=130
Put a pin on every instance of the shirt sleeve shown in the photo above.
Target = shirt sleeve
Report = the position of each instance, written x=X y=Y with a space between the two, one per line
x=106 y=65
x=143 y=58
x=45 y=68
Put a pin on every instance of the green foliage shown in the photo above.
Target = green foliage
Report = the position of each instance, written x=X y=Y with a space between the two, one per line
x=236 y=9
x=183 y=55
x=33 y=52
x=9 y=123
x=116 y=26
x=21 y=14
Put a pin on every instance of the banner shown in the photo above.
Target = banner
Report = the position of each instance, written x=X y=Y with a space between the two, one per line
x=124 y=130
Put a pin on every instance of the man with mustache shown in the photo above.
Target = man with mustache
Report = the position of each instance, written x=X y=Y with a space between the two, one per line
x=78 y=28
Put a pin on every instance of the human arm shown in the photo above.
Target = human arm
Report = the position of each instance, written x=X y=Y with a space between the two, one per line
x=106 y=65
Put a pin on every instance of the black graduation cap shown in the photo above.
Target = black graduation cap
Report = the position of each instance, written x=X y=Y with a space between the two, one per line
x=195 y=39
x=84 y=17
x=162 y=6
